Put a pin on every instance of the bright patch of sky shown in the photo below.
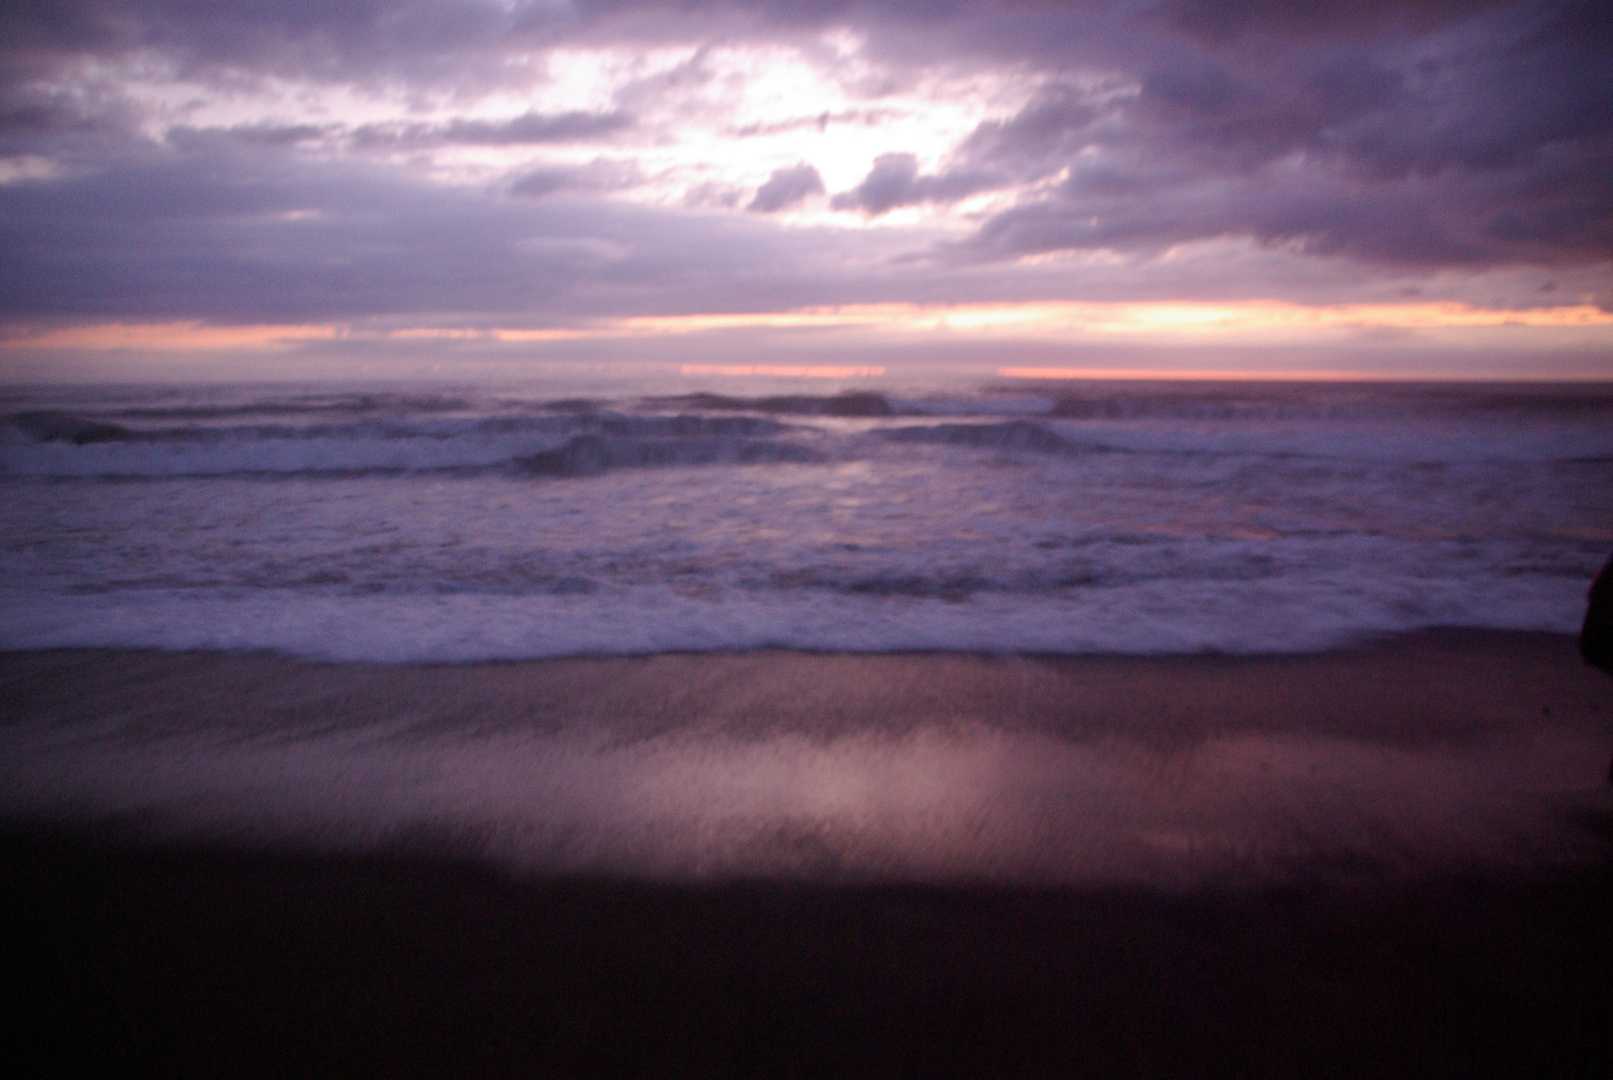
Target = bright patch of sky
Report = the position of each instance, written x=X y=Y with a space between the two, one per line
x=698 y=126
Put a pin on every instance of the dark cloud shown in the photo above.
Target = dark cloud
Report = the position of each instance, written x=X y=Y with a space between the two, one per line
x=528 y=129
x=352 y=38
x=892 y=182
x=35 y=119
x=1455 y=135
x=601 y=174
x=1057 y=124
x=895 y=181
x=418 y=37
x=712 y=195
x=786 y=188
x=537 y=128
x=1421 y=223
x=280 y=134
x=1226 y=20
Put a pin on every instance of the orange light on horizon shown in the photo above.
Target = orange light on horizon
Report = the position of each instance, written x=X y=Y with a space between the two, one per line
x=1064 y=374
x=1124 y=317
x=1044 y=321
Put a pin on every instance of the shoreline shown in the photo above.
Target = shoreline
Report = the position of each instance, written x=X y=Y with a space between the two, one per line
x=1392 y=861
x=1417 y=756
x=1474 y=650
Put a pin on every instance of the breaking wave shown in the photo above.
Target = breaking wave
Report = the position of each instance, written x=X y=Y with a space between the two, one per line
x=560 y=443
x=422 y=524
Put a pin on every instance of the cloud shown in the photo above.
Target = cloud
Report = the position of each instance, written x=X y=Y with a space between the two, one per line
x=227 y=231
x=282 y=37
x=895 y=181
x=786 y=188
x=574 y=126
x=298 y=159
x=1058 y=122
x=601 y=174
x=1456 y=136
x=1227 y=20
x=280 y=134
x=528 y=129
x=1395 y=226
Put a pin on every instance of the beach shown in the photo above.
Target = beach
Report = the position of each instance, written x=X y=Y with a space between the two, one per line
x=761 y=540
x=1390 y=859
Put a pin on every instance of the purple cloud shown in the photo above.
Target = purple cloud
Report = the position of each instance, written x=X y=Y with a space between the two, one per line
x=786 y=188
x=895 y=181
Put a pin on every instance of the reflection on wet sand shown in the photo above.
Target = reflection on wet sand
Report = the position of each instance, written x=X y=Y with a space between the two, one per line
x=889 y=768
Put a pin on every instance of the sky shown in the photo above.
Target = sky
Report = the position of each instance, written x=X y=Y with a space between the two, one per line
x=265 y=188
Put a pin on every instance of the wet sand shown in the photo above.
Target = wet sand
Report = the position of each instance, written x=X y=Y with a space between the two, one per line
x=1392 y=860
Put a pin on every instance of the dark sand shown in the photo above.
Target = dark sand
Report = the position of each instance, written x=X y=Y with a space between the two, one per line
x=1386 y=861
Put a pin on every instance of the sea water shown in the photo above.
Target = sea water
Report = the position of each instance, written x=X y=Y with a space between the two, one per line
x=435 y=523
x=431 y=522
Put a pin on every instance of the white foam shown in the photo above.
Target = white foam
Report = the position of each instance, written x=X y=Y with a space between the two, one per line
x=1145 y=617
x=423 y=535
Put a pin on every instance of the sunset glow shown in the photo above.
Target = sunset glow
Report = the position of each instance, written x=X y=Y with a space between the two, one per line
x=818 y=538
x=560 y=179
x=1180 y=322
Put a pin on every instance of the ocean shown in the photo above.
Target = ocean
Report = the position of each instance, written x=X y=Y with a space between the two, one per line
x=787 y=554
x=439 y=523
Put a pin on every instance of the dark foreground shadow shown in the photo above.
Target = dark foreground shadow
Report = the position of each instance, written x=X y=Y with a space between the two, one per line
x=199 y=962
